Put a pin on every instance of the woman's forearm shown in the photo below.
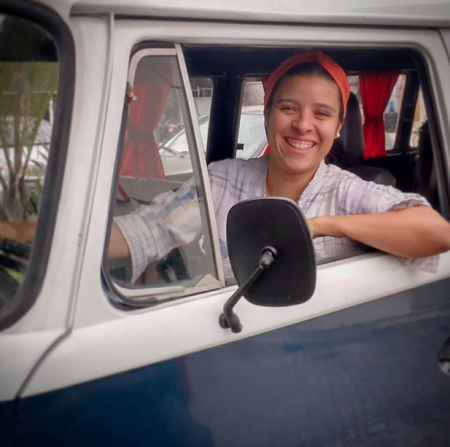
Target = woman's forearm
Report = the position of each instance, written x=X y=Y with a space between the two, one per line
x=413 y=232
x=118 y=247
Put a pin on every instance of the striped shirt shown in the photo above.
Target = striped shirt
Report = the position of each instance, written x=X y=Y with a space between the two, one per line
x=173 y=218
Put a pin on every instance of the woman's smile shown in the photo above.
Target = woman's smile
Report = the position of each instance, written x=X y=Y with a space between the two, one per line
x=299 y=145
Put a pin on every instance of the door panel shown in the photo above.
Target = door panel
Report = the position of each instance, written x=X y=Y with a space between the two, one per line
x=367 y=375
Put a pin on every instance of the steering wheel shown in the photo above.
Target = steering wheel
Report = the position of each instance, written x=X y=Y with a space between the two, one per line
x=14 y=255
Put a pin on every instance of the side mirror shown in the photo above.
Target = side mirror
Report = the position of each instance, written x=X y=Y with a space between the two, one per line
x=271 y=253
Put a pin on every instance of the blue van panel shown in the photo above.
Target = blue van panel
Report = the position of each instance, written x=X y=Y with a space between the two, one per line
x=365 y=376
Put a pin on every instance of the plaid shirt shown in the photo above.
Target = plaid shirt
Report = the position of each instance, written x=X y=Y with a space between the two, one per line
x=173 y=218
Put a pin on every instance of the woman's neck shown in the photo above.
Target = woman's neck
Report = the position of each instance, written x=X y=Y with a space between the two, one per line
x=282 y=184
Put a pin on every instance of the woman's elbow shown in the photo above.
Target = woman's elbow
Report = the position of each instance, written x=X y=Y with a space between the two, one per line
x=440 y=238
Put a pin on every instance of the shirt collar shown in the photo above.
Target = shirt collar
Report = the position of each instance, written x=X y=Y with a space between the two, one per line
x=316 y=180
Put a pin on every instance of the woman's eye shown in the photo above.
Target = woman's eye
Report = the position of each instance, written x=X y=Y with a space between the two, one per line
x=322 y=114
x=287 y=108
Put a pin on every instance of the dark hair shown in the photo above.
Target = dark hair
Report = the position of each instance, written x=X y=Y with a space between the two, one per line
x=309 y=70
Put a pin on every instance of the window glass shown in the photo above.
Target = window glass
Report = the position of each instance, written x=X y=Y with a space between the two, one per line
x=252 y=139
x=391 y=113
x=171 y=135
x=29 y=73
x=420 y=116
x=160 y=203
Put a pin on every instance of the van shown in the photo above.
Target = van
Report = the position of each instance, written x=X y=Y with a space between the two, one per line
x=92 y=354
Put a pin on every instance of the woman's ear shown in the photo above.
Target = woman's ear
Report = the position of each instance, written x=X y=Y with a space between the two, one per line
x=338 y=132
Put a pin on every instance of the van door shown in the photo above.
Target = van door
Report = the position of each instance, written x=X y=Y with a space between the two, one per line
x=355 y=365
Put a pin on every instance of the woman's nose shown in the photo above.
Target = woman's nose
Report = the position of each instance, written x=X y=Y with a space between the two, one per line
x=302 y=122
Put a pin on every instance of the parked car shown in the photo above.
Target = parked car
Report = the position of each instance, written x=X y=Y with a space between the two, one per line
x=251 y=141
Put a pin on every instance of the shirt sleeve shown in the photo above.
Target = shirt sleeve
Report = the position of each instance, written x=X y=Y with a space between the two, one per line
x=357 y=196
x=152 y=231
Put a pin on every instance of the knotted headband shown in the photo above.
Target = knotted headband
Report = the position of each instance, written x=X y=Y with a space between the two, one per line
x=336 y=72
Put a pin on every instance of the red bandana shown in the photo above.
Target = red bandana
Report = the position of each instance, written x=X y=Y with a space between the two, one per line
x=328 y=64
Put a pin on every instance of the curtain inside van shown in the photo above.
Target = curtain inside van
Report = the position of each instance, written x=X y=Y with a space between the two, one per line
x=141 y=155
x=376 y=88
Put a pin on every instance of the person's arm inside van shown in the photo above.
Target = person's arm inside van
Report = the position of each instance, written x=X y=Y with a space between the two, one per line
x=414 y=232
x=23 y=232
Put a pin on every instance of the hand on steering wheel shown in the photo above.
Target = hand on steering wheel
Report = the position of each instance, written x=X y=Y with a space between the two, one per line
x=14 y=255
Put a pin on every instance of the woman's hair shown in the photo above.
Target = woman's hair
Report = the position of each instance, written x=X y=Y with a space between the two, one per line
x=309 y=70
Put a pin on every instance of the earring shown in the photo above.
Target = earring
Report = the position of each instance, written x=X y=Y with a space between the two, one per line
x=338 y=135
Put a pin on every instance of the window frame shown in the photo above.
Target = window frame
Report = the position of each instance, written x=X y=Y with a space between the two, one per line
x=126 y=298
x=425 y=81
x=53 y=24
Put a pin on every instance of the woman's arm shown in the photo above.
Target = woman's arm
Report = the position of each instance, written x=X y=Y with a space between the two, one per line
x=414 y=232
x=23 y=232
x=118 y=247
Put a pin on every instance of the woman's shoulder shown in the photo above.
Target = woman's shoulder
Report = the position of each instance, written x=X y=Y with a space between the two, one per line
x=237 y=167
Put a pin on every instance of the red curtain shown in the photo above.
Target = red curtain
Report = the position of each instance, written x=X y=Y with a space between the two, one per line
x=141 y=156
x=376 y=89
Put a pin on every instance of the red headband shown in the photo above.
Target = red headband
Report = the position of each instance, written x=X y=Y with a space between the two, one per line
x=328 y=64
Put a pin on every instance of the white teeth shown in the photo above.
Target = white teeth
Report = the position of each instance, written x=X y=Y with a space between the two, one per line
x=301 y=145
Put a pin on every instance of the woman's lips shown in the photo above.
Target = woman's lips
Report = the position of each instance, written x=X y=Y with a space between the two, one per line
x=299 y=145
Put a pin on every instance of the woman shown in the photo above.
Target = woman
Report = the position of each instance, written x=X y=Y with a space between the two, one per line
x=305 y=105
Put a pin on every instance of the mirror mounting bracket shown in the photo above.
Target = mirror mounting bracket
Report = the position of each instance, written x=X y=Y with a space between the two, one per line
x=228 y=319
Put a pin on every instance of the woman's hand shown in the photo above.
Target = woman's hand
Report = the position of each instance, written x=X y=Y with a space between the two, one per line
x=22 y=232
x=412 y=232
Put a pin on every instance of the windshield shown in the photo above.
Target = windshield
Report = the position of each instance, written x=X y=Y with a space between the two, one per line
x=29 y=73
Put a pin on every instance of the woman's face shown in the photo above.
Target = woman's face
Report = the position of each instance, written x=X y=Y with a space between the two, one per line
x=302 y=123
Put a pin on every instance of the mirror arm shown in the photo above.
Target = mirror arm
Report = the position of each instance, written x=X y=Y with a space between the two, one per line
x=228 y=319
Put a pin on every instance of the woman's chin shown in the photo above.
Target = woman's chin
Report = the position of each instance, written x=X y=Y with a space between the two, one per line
x=298 y=167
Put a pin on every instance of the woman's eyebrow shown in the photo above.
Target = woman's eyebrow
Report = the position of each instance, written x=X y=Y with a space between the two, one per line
x=325 y=106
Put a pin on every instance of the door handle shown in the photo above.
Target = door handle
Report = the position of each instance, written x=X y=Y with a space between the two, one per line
x=444 y=357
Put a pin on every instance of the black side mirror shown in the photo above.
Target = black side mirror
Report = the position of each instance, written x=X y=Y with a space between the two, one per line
x=271 y=254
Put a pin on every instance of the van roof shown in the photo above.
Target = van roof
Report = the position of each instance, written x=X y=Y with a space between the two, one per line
x=417 y=13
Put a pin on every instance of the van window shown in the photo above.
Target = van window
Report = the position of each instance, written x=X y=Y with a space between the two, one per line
x=170 y=133
x=157 y=170
x=29 y=73
x=420 y=116
x=252 y=139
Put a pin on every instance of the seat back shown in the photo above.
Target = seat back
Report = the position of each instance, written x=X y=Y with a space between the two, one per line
x=349 y=148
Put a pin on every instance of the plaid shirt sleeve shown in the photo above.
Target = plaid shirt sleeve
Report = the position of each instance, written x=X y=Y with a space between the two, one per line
x=356 y=196
x=152 y=231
